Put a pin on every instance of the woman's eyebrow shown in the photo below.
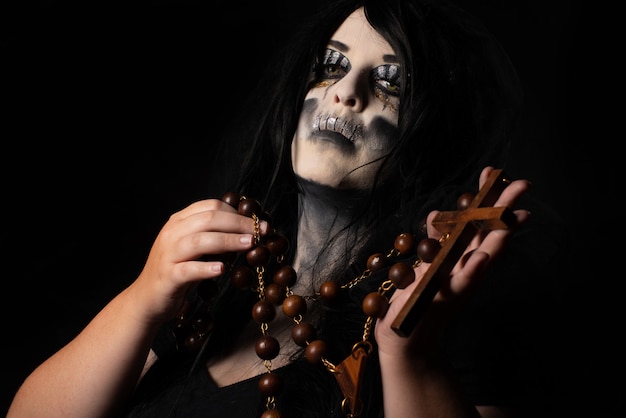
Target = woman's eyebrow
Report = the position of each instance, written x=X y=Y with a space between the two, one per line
x=389 y=58
x=339 y=45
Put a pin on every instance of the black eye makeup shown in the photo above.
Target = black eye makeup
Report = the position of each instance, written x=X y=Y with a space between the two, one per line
x=387 y=79
x=333 y=65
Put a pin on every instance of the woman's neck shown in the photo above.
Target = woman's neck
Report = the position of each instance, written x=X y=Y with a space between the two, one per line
x=327 y=232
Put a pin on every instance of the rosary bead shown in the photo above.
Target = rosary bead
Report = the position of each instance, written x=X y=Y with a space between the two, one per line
x=464 y=200
x=303 y=333
x=401 y=274
x=231 y=198
x=267 y=347
x=404 y=243
x=285 y=276
x=258 y=256
x=271 y=384
x=274 y=294
x=242 y=277
x=427 y=249
x=194 y=341
x=202 y=322
x=248 y=207
x=271 y=413
x=263 y=311
x=329 y=291
x=315 y=351
x=375 y=305
x=277 y=244
x=376 y=261
x=181 y=328
x=294 y=305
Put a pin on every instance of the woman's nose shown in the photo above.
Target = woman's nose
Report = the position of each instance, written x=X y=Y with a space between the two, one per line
x=351 y=91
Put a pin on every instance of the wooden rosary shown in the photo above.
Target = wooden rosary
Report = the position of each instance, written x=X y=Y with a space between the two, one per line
x=458 y=228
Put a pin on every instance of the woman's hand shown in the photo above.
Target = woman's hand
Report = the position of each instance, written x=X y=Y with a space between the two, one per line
x=483 y=249
x=175 y=264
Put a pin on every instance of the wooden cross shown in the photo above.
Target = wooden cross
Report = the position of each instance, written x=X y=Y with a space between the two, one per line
x=462 y=226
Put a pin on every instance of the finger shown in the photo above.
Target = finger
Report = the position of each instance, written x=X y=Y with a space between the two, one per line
x=465 y=278
x=512 y=193
x=494 y=241
x=194 y=271
x=484 y=175
x=194 y=246
x=218 y=221
x=203 y=206
x=430 y=229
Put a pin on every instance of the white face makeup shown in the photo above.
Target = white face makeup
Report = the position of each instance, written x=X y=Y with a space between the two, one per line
x=349 y=118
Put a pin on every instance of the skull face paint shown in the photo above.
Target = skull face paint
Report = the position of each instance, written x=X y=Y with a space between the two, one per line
x=349 y=118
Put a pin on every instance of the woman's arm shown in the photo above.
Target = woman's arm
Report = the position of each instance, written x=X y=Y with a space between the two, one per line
x=415 y=383
x=96 y=372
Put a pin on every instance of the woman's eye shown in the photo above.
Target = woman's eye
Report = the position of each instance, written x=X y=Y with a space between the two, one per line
x=332 y=65
x=388 y=87
x=387 y=79
x=333 y=71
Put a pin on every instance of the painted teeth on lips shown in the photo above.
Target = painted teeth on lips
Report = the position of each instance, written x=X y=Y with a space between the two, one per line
x=352 y=131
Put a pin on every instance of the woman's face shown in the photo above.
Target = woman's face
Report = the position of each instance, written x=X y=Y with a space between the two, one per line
x=350 y=115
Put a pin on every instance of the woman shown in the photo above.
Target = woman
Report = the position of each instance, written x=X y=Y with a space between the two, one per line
x=385 y=112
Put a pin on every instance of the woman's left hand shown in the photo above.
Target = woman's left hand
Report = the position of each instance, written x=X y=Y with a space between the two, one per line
x=465 y=276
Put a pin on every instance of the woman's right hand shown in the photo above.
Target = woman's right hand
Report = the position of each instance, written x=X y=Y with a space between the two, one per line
x=174 y=264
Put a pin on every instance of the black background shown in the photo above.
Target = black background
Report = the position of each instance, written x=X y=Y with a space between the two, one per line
x=110 y=110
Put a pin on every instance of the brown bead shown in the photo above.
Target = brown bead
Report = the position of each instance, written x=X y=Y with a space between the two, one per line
x=271 y=384
x=263 y=311
x=404 y=243
x=181 y=329
x=294 y=305
x=248 y=206
x=194 y=342
x=464 y=201
x=203 y=323
x=285 y=276
x=267 y=347
x=271 y=413
x=375 y=305
x=376 y=261
x=427 y=249
x=231 y=198
x=329 y=291
x=315 y=351
x=275 y=294
x=258 y=256
x=303 y=333
x=277 y=244
x=401 y=274
x=242 y=277
x=208 y=289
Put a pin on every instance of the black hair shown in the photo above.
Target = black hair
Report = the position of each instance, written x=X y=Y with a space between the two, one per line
x=459 y=106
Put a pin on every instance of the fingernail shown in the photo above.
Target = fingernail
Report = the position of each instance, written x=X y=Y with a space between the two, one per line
x=263 y=226
x=217 y=267
x=245 y=239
